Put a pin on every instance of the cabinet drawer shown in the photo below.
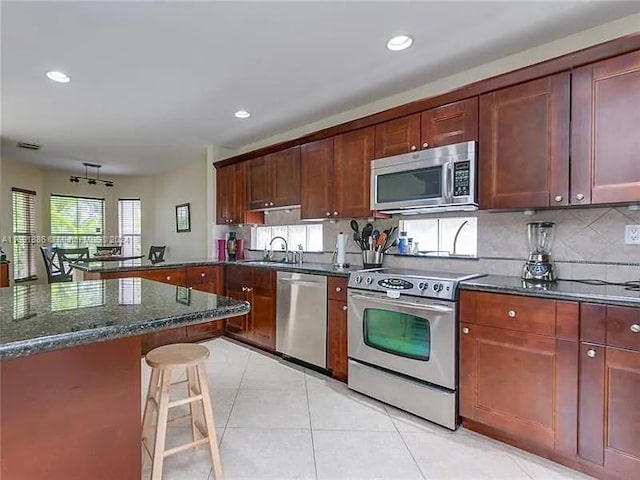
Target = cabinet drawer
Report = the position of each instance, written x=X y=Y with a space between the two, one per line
x=337 y=289
x=524 y=314
x=204 y=274
x=623 y=327
x=174 y=276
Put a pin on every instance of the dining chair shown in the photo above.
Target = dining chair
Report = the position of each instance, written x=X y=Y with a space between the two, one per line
x=53 y=265
x=156 y=253
x=109 y=250
x=67 y=255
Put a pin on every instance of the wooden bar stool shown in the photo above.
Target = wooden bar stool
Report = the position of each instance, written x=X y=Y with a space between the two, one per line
x=163 y=361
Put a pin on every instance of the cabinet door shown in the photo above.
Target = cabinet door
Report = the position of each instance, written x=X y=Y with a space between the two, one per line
x=524 y=145
x=397 y=136
x=316 y=179
x=238 y=325
x=337 y=359
x=452 y=123
x=225 y=194
x=285 y=178
x=604 y=132
x=522 y=384
x=353 y=152
x=259 y=183
x=609 y=431
x=262 y=296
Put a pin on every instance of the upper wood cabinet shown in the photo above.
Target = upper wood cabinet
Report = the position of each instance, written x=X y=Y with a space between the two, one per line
x=231 y=196
x=524 y=145
x=316 y=179
x=274 y=180
x=353 y=152
x=452 y=123
x=604 y=138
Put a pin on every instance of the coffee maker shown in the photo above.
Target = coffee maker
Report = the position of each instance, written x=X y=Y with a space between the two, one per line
x=539 y=265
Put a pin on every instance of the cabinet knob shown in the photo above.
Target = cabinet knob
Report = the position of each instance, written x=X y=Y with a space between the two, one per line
x=249 y=289
x=558 y=198
x=580 y=197
x=413 y=148
x=335 y=214
x=244 y=289
x=338 y=289
x=465 y=330
x=425 y=145
x=271 y=204
x=591 y=353
x=168 y=277
x=266 y=204
x=202 y=274
x=635 y=328
x=328 y=214
x=344 y=307
x=512 y=313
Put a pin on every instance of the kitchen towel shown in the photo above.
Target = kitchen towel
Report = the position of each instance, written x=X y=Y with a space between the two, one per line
x=341 y=249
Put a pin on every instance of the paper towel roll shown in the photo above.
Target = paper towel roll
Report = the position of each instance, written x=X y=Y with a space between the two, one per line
x=341 y=249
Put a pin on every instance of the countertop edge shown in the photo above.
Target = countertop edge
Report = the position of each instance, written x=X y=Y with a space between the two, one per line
x=50 y=343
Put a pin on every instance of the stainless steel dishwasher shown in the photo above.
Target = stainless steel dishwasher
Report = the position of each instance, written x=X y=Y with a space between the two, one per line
x=301 y=317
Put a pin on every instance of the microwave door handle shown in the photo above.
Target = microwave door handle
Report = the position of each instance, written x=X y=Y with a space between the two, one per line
x=383 y=301
x=449 y=181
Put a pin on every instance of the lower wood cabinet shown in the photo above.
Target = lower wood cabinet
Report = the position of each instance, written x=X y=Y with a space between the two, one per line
x=337 y=340
x=258 y=287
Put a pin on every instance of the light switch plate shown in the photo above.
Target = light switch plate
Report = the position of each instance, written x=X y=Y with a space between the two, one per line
x=632 y=235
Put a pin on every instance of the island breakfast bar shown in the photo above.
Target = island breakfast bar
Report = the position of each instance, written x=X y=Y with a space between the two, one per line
x=70 y=375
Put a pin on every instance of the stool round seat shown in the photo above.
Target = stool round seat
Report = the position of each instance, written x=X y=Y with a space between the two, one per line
x=177 y=355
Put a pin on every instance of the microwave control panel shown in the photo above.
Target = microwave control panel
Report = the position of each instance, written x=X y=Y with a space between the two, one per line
x=461 y=179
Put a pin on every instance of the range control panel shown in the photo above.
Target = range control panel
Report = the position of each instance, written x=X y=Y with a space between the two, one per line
x=414 y=286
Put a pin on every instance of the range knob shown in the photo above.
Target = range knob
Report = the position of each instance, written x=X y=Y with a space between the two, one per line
x=423 y=286
x=358 y=279
x=369 y=280
x=437 y=287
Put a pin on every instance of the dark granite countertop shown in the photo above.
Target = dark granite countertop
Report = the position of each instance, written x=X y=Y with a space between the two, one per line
x=144 y=264
x=41 y=318
x=560 y=290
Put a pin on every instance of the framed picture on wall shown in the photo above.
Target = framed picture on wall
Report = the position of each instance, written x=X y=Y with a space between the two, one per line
x=183 y=218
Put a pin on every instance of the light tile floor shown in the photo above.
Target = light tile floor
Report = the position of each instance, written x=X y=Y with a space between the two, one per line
x=277 y=420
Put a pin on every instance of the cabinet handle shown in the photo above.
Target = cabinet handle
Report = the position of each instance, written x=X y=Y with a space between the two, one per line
x=591 y=353
x=202 y=275
x=512 y=313
x=244 y=289
x=338 y=289
x=635 y=328
x=580 y=197
x=425 y=145
x=558 y=198
x=271 y=204
x=335 y=214
x=328 y=214
x=465 y=330
x=249 y=289
x=344 y=307
x=413 y=148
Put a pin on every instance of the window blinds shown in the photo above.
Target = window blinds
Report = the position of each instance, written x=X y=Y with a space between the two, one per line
x=130 y=225
x=77 y=221
x=24 y=231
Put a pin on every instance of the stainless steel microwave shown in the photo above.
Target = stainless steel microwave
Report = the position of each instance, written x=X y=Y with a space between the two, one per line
x=437 y=179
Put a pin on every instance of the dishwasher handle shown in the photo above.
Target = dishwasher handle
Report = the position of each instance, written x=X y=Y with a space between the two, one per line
x=301 y=283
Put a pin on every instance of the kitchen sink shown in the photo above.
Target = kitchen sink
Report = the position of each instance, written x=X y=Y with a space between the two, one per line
x=267 y=262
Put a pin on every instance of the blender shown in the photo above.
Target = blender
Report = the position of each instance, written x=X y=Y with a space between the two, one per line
x=539 y=265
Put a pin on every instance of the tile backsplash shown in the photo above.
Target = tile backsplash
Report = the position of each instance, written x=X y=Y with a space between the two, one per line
x=589 y=243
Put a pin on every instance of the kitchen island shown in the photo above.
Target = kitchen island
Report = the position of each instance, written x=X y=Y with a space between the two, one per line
x=70 y=385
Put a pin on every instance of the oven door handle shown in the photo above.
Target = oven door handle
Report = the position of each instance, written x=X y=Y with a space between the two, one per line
x=383 y=301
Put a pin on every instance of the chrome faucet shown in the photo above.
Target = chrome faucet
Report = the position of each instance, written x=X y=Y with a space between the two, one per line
x=286 y=248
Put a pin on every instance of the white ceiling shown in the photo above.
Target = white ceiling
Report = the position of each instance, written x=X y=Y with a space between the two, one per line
x=153 y=82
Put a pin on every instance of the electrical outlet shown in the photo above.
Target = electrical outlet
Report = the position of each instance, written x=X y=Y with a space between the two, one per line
x=632 y=235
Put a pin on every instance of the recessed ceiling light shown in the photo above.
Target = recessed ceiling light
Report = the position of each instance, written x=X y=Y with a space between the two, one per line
x=58 y=77
x=242 y=114
x=400 y=42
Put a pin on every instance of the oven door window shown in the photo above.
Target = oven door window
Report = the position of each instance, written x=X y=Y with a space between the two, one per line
x=397 y=333
x=420 y=184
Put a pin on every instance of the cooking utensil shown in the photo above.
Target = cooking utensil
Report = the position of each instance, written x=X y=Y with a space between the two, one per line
x=358 y=240
x=367 y=230
x=382 y=241
x=355 y=227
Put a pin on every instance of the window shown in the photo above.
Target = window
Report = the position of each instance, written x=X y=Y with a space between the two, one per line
x=443 y=236
x=24 y=229
x=77 y=222
x=129 y=226
x=309 y=236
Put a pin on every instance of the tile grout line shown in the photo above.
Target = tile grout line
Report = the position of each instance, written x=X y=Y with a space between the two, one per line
x=313 y=446
x=405 y=443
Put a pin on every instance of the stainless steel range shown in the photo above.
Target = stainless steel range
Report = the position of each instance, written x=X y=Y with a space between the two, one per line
x=402 y=340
